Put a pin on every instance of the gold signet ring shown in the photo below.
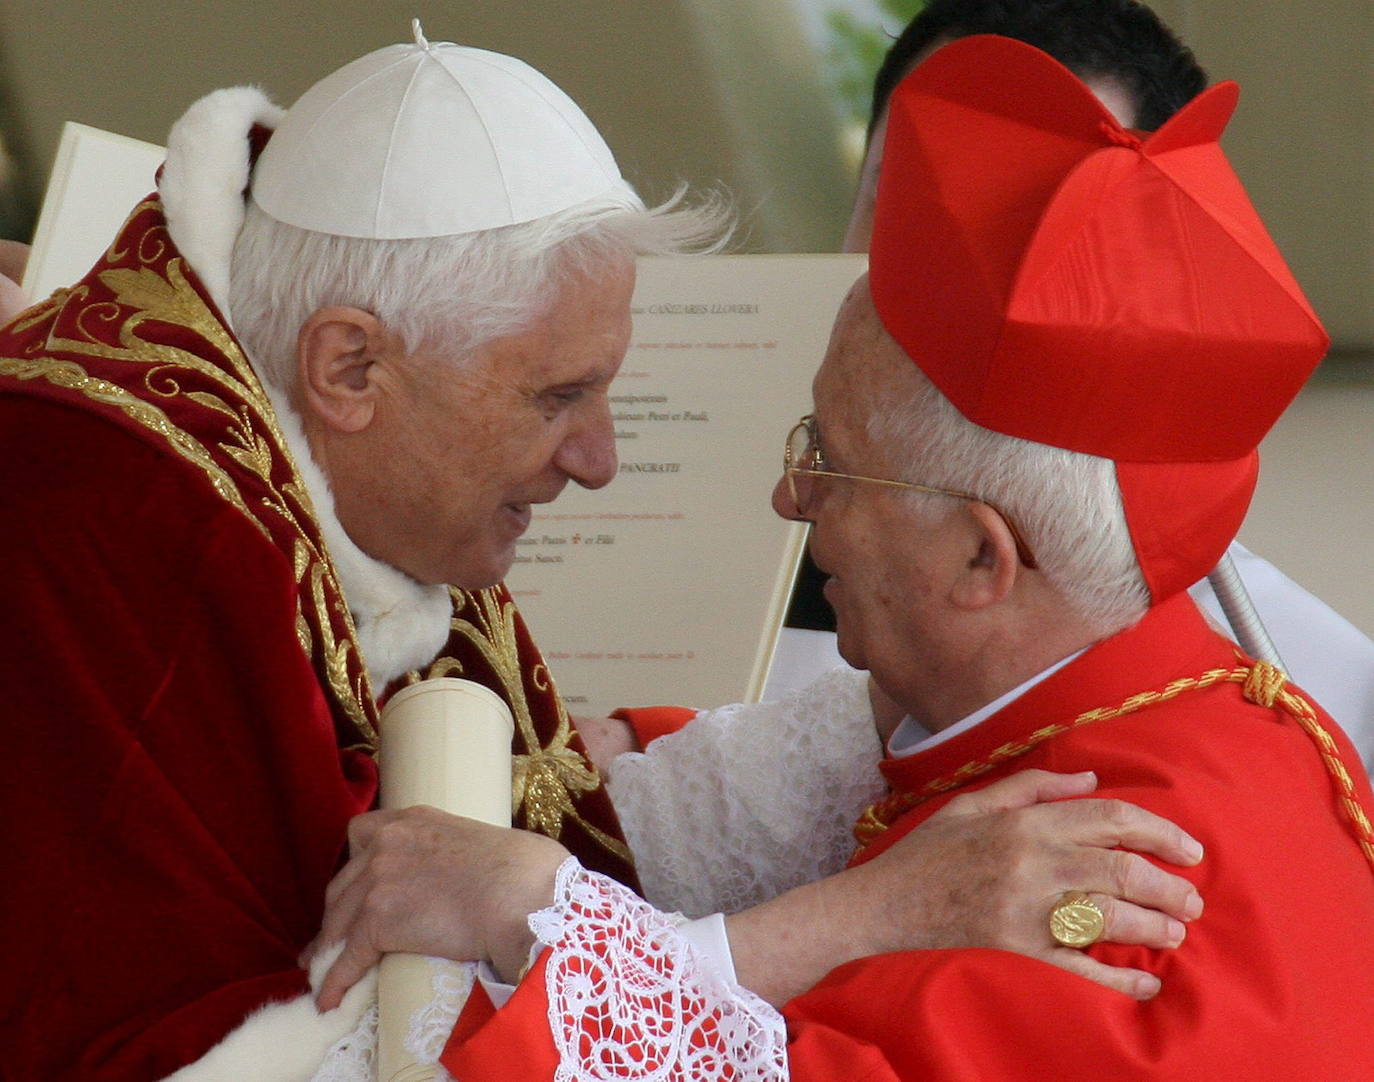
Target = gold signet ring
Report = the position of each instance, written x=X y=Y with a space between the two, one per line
x=1076 y=921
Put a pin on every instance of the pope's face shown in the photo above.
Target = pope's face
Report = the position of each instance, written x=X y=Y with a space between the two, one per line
x=460 y=451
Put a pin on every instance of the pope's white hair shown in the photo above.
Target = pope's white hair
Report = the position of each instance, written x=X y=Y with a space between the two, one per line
x=457 y=292
x=1067 y=505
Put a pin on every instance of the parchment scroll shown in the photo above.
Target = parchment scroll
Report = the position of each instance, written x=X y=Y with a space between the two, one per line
x=446 y=743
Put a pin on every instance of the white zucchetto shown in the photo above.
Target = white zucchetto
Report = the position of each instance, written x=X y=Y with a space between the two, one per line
x=430 y=140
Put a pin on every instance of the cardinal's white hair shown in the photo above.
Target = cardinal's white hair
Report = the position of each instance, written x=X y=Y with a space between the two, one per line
x=1067 y=505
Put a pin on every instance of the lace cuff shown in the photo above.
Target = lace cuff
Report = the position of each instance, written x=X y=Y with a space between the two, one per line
x=354 y=1058
x=631 y=998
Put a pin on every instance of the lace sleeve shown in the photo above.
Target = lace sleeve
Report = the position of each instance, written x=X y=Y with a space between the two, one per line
x=750 y=800
x=354 y=1058
x=630 y=998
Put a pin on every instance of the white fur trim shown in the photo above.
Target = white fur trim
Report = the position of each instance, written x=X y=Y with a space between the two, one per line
x=285 y=1042
x=402 y=624
x=205 y=176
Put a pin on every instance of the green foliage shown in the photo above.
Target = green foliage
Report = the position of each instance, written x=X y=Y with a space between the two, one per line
x=856 y=49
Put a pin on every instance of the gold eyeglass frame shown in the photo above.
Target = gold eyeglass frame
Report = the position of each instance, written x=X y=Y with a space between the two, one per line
x=791 y=469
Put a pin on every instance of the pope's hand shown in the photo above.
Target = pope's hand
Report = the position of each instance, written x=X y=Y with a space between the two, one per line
x=13 y=257
x=425 y=882
x=604 y=739
x=984 y=871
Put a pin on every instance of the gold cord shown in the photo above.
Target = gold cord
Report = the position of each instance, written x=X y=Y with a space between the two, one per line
x=1262 y=683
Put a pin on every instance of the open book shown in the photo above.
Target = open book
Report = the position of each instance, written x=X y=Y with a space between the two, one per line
x=671 y=584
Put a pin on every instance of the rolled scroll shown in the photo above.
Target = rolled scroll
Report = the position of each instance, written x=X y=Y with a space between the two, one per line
x=446 y=743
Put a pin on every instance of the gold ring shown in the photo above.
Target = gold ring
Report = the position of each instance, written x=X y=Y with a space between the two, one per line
x=1076 y=921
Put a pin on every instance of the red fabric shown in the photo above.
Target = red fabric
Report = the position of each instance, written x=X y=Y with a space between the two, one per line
x=1096 y=291
x=477 y=1012
x=1175 y=549
x=651 y=722
x=1274 y=981
x=176 y=801
x=1099 y=291
x=511 y=1043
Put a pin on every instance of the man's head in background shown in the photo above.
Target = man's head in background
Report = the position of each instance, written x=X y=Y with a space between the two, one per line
x=1119 y=48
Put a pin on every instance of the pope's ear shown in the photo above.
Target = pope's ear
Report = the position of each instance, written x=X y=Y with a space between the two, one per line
x=338 y=352
x=990 y=572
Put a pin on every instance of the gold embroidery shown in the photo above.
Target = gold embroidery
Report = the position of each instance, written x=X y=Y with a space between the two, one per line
x=41 y=311
x=303 y=631
x=445 y=666
x=70 y=375
x=1262 y=684
x=300 y=564
x=252 y=440
x=164 y=298
x=334 y=653
x=544 y=777
x=115 y=253
x=173 y=300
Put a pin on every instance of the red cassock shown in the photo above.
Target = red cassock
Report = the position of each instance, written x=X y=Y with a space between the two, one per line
x=188 y=724
x=1275 y=980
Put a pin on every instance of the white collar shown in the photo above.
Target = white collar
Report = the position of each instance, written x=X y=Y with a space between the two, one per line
x=402 y=624
x=911 y=737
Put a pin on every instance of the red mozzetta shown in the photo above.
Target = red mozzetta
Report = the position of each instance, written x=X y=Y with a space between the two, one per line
x=1273 y=982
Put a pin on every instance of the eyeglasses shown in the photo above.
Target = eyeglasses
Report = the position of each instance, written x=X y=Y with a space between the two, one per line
x=803 y=459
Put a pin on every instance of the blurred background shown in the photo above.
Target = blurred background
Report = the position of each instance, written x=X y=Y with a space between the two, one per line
x=767 y=98
x=764 y=96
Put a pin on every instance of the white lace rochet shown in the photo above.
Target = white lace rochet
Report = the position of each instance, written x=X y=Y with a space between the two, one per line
x=750 y=800
x=631 y=998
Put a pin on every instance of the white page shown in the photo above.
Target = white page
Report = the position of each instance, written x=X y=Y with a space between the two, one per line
x=670 y=584
x=98 y=177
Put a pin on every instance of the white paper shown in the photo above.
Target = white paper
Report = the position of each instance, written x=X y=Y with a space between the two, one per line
x=670 y=584
x=445 y=743
x=98 y=177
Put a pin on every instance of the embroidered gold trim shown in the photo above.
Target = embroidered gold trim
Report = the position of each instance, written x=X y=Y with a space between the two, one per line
x=253 y=439
x=71 y=376
x=544 y=778
x=1262 y=683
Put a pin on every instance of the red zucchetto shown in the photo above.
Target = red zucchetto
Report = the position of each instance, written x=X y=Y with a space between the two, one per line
x=1067 y=281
